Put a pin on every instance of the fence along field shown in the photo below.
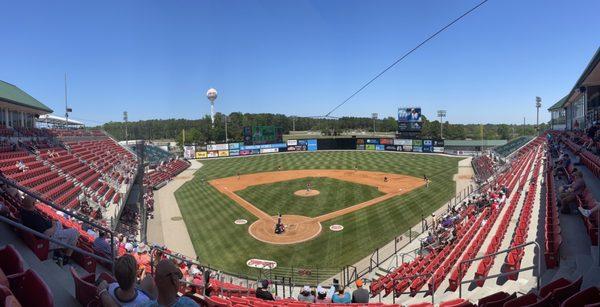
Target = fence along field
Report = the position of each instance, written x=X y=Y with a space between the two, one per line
x=210 y=215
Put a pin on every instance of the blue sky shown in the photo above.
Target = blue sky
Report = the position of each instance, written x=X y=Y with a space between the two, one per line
x=156 y=59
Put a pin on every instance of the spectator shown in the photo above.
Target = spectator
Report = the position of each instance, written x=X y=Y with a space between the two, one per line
x=306 y=296
x=263 y=292
x=101 y=246
x=588 y=212
x=569 y=192
x=341 y=297
x=167 y=278
x=360 y=295
x=322 y=296
x=124 y=291
x=31 y=218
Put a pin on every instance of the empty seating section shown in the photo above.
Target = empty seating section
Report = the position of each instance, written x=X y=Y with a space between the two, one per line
x=165 y=172
x=508 y=148
x=552 y=226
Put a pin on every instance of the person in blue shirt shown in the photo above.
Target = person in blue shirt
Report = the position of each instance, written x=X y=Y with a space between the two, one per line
x=341 y=297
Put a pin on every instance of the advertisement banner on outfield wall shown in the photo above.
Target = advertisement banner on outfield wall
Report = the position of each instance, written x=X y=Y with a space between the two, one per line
x=360 y=147
x=292 y=142
x=234 y=152
x=234 y=146
x=201 y=154
x=372 y=141
x=255 y=151
x=311 y=145
x=438 y=143
x=302 y=142
x=223 y=153
x=392 y=147
x=360 y=141
x=217 y=147
x=418 y=143
x=407 y=148
x=213 y=154
x=189 y=152
x=386 y=141
x=269 y=150
x=370 y=147
x=427 y=143
x=379 y=147
x=245 y=152
x=402 y=142
x=438 y=149
x=417 y=149
x=427 y=148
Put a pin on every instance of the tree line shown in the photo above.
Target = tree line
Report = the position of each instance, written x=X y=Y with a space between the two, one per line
x=201 y=131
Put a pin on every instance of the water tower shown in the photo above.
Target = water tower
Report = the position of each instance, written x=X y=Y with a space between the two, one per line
x=211 y=94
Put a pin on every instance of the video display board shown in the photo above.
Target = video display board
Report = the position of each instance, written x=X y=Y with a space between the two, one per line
x=409 y=119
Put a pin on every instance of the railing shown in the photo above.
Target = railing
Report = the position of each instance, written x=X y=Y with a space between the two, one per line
x=78 y=217
x=538 y=266
x=57 y=242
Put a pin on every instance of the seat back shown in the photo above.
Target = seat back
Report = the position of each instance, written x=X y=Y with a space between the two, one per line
x=10 y=260
x=590 y=295
x=215 y=301
x=85 y=292
x=492 y=297
x=547 y=289
x=30 y=289
x=560 y=295
x=500 y=302
x=524 y=300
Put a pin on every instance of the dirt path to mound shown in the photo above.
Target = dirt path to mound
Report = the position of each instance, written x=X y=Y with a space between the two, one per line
x=301 y=229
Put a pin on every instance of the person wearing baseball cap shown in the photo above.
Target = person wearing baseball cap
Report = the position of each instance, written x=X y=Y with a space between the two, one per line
x=360 y=295
x=322 y=296
x=306 y=296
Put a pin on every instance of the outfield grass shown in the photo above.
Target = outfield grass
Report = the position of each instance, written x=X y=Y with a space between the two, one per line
x=334 y=194
x=209 y=215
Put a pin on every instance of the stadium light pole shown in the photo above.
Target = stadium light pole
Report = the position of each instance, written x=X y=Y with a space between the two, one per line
x=226 y=119
x=374 y=117
x=538 y=105
x=441 y=114
x=211 y=94
x=125 y=118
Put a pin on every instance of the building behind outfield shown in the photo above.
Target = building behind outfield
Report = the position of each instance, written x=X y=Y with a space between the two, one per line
x=19 y=109
x=580 y=108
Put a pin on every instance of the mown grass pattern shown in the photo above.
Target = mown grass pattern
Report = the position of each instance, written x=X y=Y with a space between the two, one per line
x=334 y=195
x=209 y=215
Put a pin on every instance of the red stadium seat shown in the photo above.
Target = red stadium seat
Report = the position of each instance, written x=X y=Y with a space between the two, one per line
x=30 y=289
x=585 y=297
x=10 y=260
x=524 y=300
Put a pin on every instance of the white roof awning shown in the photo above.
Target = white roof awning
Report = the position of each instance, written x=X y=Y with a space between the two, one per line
x=57 y=120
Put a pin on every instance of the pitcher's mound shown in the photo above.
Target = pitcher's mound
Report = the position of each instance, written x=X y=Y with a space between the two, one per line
x=305 y=193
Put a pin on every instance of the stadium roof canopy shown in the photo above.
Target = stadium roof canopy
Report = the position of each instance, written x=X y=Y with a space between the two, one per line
x=589 y=77
x=57 y=120
x=13 y=95
x=559 y=104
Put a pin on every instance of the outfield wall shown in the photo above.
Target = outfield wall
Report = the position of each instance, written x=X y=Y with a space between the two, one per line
x=295 y=145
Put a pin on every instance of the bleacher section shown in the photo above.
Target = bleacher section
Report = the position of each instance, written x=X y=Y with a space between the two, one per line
x=483 y=166
x=514 y=144
x=164 y=172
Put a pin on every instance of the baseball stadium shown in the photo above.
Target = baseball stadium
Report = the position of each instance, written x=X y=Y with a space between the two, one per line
x=247 y=199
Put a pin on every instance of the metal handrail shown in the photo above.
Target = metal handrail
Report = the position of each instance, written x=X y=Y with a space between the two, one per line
x=539 y=265
x=57 y=242
x=78 y=217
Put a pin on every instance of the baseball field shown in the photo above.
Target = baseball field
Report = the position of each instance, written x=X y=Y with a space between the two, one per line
x=375 y=196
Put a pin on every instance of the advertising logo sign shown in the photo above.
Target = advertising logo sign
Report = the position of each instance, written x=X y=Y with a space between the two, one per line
x=417 y=149
x=245 y=152
x=234 y=146
x=201 y=154
x=189 y=152
x=379 y=147
x=427 y=143
x=386 y=141
x=360 y=141
x=360 y=147
x=234 y=152
x=217 y=147
x=438 y=149
x=312 y=145
x=402 y=142
x=213 y=154
x=261 y=264
x=407 y=148
x=417 y=143
x=269 y=150
x=223 y=153
x=292 y=142
x=372 y=141
x=392 y=147
x=370 y=147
